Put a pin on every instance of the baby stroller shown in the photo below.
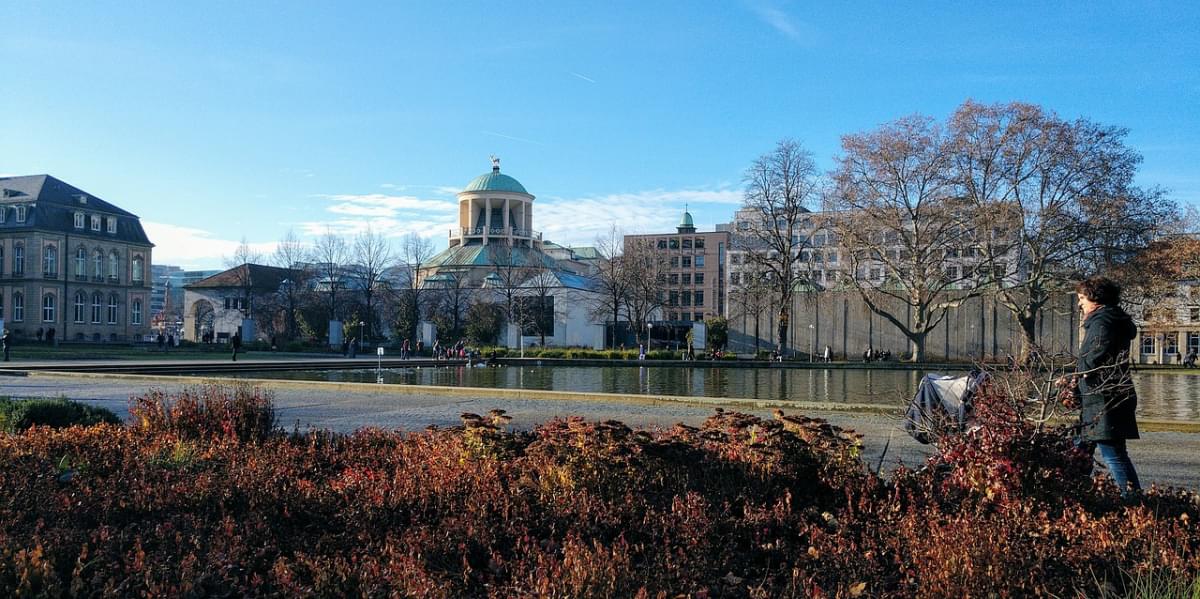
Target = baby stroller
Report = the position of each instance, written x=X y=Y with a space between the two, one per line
x=942 y=405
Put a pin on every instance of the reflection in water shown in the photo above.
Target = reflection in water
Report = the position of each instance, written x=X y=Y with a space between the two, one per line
x=1167 y=396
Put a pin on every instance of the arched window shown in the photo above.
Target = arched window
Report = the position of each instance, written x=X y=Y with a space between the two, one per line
x=97 y=265
x=18 y=259
x=112 y=308
x=112 y=265
x=48 y=308
x=97 y=301
x=138 y=276
x=50 y=261
x=18 y=307
x=81 y=263
x=135 y=312
x=80 y=306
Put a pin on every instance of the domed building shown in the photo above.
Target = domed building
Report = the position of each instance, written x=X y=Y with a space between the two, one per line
x=496 y=253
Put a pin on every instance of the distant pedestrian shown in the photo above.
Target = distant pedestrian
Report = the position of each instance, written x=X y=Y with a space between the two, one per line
x=170 y=341
x=828 y=355
x=1189 y=361
x=162 y=342
x=6 y=341
x=40 y=333
x=404 y=350
x=236 y=343
x=420 y=347
x=354 y=347
x=346 y=347
x=641 y=351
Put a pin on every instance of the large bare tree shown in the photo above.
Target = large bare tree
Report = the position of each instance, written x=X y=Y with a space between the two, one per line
x=291 y=253
x=329 y=256
x=750 y=298
x=239 y=263
x=646 y=271
x=612 y=279
x=372 y=257
x=781 y=185
x=509 y=271
x=1065 y=191
x=894 y=212
x=415 y=254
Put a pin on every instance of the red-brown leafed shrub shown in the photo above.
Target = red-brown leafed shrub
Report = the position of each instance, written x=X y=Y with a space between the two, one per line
x=238 y=413
x=738 y=507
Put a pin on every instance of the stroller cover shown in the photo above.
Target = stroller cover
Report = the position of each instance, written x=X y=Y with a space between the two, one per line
x=942 y=405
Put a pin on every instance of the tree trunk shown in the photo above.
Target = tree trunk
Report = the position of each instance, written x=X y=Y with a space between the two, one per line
x=1027 y=320
x=783 y=329
x=916 y=343
x=756 y=334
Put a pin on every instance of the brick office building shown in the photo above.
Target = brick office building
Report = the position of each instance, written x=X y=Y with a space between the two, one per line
x=695 y=285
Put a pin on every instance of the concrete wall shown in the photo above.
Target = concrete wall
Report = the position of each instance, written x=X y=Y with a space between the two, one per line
x=980 y=328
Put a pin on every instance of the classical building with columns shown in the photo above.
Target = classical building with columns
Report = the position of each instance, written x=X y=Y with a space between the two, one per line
x=71 y=263
x=494 y=250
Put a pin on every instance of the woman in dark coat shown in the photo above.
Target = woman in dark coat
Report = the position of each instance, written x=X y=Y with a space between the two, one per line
x=1106 y=394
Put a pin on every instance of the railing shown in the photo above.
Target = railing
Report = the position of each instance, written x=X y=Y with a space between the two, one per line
x=495 y=232
x=49 y=275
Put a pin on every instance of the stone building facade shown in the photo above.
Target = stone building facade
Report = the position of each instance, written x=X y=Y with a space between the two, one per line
x=695 y=285
x=71 y=263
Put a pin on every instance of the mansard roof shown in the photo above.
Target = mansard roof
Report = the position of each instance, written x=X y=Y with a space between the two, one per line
x=254 y=276
x=52 y=204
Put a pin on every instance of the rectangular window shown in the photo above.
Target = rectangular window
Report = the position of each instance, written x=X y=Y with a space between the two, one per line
x=673 y=298
x=699 y=298
x=674 y=261
x=79 y=220
x=832 y=258
x=112 y=224
x=673 y=279
x=673 y=243
x=699 y=261
x=3 y=212
x=687 y=243
x=743 y=225
x=1171 y=343
x=1193 y=340
x=687 y=279
x=951 y=273
x=20 y=214
x=699 y=278
x=699 y=243
x=685 y=316
x=18 y=260
x=1147 y=343
x=95 y=222
x=686 y=298
x=1194 y=313
x=735 y=278
x=700 y=316
x=662 y=244
x=687 y=261
x=735 y=258
x=18 y=307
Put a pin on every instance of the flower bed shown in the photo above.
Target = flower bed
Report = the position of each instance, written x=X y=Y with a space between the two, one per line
x=194 y=498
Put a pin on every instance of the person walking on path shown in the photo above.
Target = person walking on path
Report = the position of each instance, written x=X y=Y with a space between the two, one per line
x=1102 y=380
x=828 y=355
x=6 y=341
x=236 y=343
x=1189 y=361
x=354 y=347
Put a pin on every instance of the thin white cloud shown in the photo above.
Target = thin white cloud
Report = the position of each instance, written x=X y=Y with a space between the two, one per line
x=579 y=221
x=194 y=248
x=392 y=215
x=584 y=77
x=794 y=29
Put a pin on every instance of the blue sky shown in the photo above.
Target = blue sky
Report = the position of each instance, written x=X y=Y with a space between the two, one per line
x=217 y=121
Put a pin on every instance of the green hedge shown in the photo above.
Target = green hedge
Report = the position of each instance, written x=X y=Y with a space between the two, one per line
x=19 y=414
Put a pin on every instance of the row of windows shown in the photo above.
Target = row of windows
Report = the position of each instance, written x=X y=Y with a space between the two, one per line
x=110 y=222
x=18 y=211
x=99 y=313
x=685 y=278
x=676 y=243
x=687 y=261
x=685 y=298
x=99 y=261
x=1170 y=343
x=699 y=316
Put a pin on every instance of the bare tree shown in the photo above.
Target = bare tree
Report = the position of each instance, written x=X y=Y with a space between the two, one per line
x=646 y=272
x=415 y=253
x=509 y=271
x=780 y=186
x=329 y=255
x=454 y=296
x=239 y=263
x=612 y=279
x=291 y=254
x=1066 y=190
x=541 y=308
x=372 y=257
x=894 y=212
x=751 y=298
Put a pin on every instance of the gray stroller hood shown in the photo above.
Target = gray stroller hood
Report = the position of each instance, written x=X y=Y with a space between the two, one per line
x=942 y=405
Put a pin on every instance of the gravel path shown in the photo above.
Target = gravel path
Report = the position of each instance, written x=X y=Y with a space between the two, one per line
x=1165 y=458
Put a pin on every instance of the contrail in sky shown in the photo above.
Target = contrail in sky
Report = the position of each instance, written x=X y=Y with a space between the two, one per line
x=588 y=79
x=512 y=138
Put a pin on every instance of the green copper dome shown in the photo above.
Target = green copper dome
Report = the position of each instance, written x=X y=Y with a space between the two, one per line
x=686 y=221
x=494 y=181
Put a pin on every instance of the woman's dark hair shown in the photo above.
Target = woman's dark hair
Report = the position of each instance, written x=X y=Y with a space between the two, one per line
x=1102 y=290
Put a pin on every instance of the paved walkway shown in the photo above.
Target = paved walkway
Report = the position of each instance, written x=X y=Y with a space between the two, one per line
x=1170 y=458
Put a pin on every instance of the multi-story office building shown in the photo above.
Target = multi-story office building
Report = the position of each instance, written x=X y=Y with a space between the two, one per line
x=72 y=266
x=695 y=270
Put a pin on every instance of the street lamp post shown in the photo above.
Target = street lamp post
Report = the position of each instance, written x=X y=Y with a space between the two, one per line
x=649 y=336
x=812 y=341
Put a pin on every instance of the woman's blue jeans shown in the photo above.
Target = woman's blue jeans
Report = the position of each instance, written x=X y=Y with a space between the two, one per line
x=1119 y=466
